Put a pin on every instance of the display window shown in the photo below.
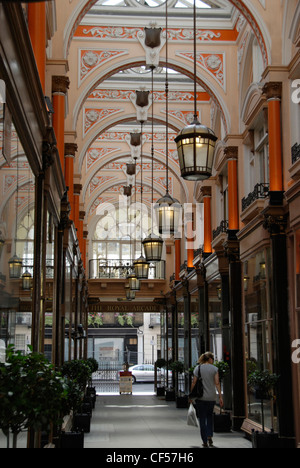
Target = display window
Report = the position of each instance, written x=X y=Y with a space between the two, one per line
x=259 y=331
x=17 y=231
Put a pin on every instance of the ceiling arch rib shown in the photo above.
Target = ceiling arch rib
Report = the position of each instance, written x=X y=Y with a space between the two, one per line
x=243 y=6
x=173 y=170
x=178 y=66
x=100 y=130
x=104 y=192
x=125 y=157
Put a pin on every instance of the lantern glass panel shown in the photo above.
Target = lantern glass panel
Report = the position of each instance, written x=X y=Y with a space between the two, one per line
x=134 y=283
x=15 y=267
x=169 y=216
x=141 y=268
x=130 y=294
x=153 y=248
x=195 y=146
x=26 y=281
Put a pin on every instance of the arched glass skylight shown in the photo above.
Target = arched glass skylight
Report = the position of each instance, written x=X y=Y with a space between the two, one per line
x=156 y=3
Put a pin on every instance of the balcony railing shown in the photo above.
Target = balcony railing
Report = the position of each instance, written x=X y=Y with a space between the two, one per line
x=295 y=153
x=223 y=227
x=260 y=191
x=119 y=269
x=28 y=265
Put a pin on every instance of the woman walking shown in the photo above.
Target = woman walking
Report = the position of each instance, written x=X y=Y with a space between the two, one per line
x=205 y=405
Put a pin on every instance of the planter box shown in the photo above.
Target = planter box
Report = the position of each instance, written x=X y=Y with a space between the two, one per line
x=160 y=391
x=265 y=440
x=222 y=422
x=170 y=395
x=182 y=401
x=87 y=405
x=72 y=440
x=82 y=422
x=91 y=393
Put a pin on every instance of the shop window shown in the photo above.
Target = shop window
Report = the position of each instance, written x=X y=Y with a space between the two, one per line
x=17 y=214
x=259 y=327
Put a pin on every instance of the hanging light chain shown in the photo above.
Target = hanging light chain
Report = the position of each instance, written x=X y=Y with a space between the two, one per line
x=167 y=103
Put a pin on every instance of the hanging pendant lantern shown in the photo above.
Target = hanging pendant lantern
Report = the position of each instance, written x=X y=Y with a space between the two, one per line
x=153 y=246
x=26 y=281
x=168 y=212
x=134 y=282
x=196 y=142
x=15 y=267
x=168 y=209
x=196 y=147
x=141 y=268
x=130 y=294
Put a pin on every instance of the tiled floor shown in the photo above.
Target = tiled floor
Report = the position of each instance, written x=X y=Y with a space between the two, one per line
x=148 y=421
x=143 y=421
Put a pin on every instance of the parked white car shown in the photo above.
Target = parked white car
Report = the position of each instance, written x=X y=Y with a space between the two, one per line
x=145 y=373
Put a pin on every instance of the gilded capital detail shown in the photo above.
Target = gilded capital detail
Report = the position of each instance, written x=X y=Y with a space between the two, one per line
x=206 y=191
x=60 y=84
x=71 y=149
x=231 y=152
x=272 y=90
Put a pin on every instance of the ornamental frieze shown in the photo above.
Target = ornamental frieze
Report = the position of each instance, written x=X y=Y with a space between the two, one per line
x=92 y=59
x=94 y=116
x=212 y=63
x=175 y=34
x=95 y=154
x=97 y=181
x=122 y=136
x=99 y=201
x=124 y=95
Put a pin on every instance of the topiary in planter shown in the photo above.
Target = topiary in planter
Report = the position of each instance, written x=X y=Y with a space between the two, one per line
x=263 y=382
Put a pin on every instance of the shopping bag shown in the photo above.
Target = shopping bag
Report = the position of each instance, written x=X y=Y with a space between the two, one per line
x=192 y=419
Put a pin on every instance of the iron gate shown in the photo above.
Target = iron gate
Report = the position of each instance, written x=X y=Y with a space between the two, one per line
x=106 y=379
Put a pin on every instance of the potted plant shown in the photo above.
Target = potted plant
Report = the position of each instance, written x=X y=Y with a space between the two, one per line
x=79 y=371
x=251 y=366
x=170 y=393
x=263 y=383
x=222 y=421
x=75 y=438
x=32 y=393
x=160 y=384
x=90 y=391
x=177 y=367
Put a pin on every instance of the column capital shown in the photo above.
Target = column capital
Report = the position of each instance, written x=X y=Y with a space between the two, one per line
x=60 y=84
x=275 y=223
x=232 y=250
x=77 y=189
x=231 y=152
x=272 y=90
x=206 y=191
x=70 y=149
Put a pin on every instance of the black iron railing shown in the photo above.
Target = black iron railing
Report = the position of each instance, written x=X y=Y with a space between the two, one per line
x=120 y=269
x=223 y=227
x=260 y=191
x=198 y=252
x=295 y=153
x=28 y=265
